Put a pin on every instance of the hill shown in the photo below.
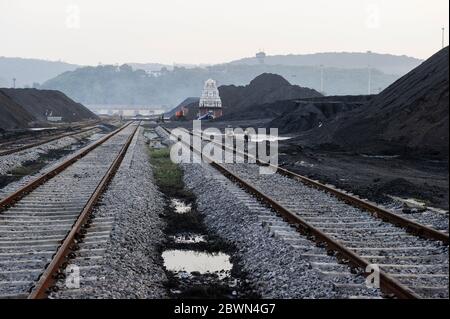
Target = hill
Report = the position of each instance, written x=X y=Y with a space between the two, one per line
x=149 y=67
x=30 y=71
x=20 y=108
x=123 y=85
x=386 y=63
x=409 y=117
x=344 y=74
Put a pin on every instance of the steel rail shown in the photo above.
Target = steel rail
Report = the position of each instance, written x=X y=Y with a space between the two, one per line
x=387 y=216
x=48 y=277
x=17 y=195
x=387 y=283
x=31 y=145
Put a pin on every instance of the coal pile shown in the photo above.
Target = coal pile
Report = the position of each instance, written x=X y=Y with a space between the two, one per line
x=21 y=108
x=267 y=96
x=264 y=89
x=311 y=113
x=187 y=103
x=262 y=111
x=12 y=115
x=409 y=118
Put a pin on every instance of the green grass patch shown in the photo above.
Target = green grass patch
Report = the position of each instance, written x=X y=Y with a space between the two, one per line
x=168 y=175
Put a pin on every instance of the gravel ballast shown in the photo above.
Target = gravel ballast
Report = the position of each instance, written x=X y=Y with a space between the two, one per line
x=131 y=266
x=9 y=162
x=273 y=267
x=361 y=232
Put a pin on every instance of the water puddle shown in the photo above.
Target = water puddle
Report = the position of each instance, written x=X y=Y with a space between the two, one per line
x=80 y=144
x=150 y=134
x=95 y=136
x=154 y=140
x=409 y=202
x=304 y=164
x=191 y=261
x=267 y=138
x=417 y=205
x=188 y=239
x=37 y=129
x=257 y=138
x=380 y=156
x=156 y=144
x=179 y=206
x=197 y=262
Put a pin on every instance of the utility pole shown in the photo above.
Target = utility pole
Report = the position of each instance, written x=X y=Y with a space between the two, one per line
x=14 y=83
x=443 y=37
x=321 y=78
x=369 y=82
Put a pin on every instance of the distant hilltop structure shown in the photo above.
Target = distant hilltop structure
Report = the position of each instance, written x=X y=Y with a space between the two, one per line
x=261 y=57
x=210 y=105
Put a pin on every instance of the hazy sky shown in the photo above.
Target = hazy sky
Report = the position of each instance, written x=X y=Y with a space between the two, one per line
x=214 y=31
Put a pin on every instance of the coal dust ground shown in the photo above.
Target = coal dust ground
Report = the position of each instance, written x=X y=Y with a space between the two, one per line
x=371 y=177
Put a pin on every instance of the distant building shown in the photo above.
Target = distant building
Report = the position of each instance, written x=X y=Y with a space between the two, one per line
x=182 y=112
x=210 y=102
x=261 y=56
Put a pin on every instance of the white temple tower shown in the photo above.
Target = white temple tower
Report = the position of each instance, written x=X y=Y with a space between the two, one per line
x=210 y=102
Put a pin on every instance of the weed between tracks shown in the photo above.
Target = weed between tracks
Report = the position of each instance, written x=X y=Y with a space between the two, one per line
x=192 y=268
x=168 y=175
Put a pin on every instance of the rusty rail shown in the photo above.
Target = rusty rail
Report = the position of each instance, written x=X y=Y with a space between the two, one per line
x=47 y=279
x=387 y=283
x=387 y=216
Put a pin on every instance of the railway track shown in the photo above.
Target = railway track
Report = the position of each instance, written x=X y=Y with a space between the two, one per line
x=412 y=259
x=22 y=145
x=412 y=225
x=43 y=223
x=89 y=259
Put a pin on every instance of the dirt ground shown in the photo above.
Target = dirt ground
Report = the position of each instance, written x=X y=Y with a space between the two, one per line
x=372 y=177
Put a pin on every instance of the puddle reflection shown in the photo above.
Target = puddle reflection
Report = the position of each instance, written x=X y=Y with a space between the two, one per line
x=177 y=260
